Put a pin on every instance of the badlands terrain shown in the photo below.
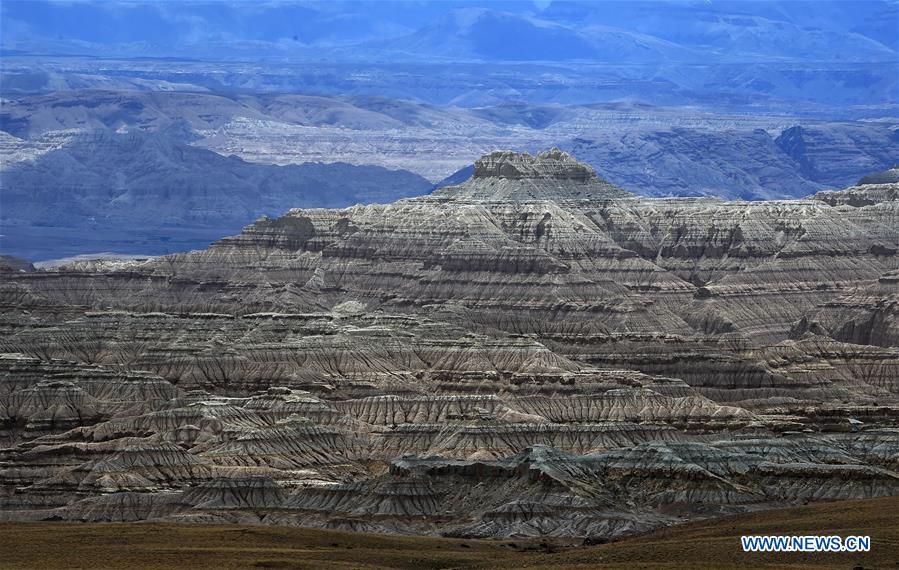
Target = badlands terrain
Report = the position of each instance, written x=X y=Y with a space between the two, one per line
x=534 y=352
x=710 y=544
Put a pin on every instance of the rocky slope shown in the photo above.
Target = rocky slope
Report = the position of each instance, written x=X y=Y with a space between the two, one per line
x=533 y=352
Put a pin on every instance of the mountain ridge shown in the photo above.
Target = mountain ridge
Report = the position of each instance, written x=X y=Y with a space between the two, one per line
x=151 y=186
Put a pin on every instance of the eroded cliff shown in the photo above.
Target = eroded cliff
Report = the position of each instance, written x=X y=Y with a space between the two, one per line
x=532 y=352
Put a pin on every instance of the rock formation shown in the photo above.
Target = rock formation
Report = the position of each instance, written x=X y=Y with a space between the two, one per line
x=890 y=176
x=533 y=352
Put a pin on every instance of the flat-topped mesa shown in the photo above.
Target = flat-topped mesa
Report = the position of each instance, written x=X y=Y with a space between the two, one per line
x=889 y=176
x=550 y=175
x=875 y=188
x=552 y=164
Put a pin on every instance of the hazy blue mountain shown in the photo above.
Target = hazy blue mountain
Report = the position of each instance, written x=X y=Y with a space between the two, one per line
x=653 y=151
x=499 y=58
x=691 y=162
x=834 y=156
x=817 y=56
x=482 y=34
x=100 y=109
x=733 y=164
x=833 y=91
x=457 y=177
x=108 y=185
x=751 y=165
x=497 y=30
x=206 y=28
x=751 y=30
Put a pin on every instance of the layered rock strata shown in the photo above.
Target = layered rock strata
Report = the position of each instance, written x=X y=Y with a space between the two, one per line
x=534 y=352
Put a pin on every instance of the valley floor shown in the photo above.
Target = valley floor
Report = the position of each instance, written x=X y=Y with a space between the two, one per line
x=703 y=544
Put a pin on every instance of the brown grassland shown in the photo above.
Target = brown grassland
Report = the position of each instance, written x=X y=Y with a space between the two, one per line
x=704 y=544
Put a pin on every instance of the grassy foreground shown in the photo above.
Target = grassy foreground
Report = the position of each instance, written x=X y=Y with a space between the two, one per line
x=708 y=544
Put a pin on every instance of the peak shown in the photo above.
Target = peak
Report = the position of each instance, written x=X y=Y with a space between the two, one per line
x=550 y=175
x=551 y=164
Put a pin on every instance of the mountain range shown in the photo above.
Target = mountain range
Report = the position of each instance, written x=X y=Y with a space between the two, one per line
x=148 y=193
x=743 y=55
x=91 y=171
x=750 y=100
x=685 y=30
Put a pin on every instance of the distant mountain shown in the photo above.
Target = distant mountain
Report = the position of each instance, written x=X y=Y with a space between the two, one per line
x=732 y=164
x=739 y=164
x=644 y=32
x=821 y=57
x=156 y=187
x=629 y=31
x=498 y=35
x=156 y=110
x=835 y=156
x=748 y=29
x=456 y=178
x=103 y=182
x=10 y=263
